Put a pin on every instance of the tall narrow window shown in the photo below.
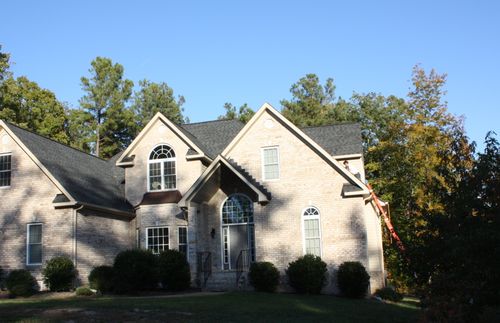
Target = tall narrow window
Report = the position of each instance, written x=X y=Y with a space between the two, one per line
x=34 y=244
x=183 y=245
x=5 y=170
x=270 y=163
x=162 y=172
x=157 y=239
x=312 y=231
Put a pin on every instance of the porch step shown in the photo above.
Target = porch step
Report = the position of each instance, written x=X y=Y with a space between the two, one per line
x=226 y=281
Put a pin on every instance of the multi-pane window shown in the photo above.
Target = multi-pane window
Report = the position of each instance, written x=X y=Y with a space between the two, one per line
x=183 y=245
x=312 y=231
x=237 y=209
x=5 y=170
x=157 y=239
x=270 y=163
x=162 y=173
x=34 y=244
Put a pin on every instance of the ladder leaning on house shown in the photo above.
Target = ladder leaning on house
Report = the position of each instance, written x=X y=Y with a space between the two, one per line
x=387 y=221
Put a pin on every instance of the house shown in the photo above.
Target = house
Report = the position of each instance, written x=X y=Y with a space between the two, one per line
x=223 y=193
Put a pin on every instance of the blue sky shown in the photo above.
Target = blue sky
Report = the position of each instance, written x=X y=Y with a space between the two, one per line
x=253 y=51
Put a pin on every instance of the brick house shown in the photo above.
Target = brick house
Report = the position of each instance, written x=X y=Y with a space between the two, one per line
x=223 y=193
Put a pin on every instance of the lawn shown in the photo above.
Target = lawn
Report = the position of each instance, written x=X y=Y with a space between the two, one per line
x=230 y=307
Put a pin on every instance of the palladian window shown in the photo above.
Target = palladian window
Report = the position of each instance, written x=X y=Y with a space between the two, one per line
x=161 y=169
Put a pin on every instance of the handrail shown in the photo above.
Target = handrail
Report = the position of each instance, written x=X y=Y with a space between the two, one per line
x=204 y=266
x=242 y=263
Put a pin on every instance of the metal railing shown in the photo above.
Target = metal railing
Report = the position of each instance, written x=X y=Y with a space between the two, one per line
x=242 y=263
x=204 y=264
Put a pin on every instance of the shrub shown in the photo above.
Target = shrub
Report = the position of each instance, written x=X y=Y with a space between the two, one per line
x=389 y=294
x=135 y=270
x=20 y=282
x=307 y=274
x=264 y=276
x=352 y=279
x=59 y=273
x=83 y=291
x=101 y=278
x=174 y=270
x=1 y=278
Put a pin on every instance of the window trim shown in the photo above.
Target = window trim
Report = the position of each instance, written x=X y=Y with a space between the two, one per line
x=263 y=166
x=28 y=263
x=7 y=171
x=162 y=171
x=157 y=227
x=311 y=217
x=187 y=240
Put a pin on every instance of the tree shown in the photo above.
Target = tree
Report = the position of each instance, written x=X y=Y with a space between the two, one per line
x=156 y=97
x=106 y=95
x=311 y=102
x=24 y=103
x=4 y=65
x=244 y=113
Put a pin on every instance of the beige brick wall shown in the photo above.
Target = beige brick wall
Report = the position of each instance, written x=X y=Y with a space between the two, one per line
x=136 y=176
x=305 y=180
x=29 y=200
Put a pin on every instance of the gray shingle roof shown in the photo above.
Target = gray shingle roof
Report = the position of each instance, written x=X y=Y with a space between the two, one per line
x=88 y=179
x=337 y=139
x=213 y=136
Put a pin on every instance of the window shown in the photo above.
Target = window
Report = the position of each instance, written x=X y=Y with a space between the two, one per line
x=270 y=163
x=34 y=244
x=5 y=170
x=157 y=239
x=238 y=232
x=162 y=172
x=312 y=231
x=183 y=246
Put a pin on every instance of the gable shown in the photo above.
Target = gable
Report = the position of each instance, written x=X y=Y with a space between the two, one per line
x=267 y=118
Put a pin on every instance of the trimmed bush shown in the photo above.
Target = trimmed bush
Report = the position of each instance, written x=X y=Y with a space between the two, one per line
x=307 y=274
x=352 y=279
x=1 y=278
x=83 y=291
x=59 y=273
x=264 y=276
x=101 y=279
x=135 y=270
x=20 y=282
x=389 y=294
x=174 y=270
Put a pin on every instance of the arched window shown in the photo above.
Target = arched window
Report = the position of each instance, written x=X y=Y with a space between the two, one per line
x=311 y=231
x=238 y=235
x=161 y=169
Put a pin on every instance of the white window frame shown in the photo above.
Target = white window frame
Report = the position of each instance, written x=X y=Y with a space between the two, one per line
x=263 y=166
x=162 y=170
x=7 y=171
x=28 y=244
x=311 y=217
x=158 y=227
x=179 y=240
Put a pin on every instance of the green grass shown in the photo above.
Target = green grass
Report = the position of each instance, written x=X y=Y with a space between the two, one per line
x=231 y=307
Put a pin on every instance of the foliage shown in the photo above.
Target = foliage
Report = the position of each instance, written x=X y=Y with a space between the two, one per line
x=20 y=282
x=4 y=65
x=464 y=250
x=135 y=270
x=174 y=270
x=352 y=279
x=59 y=273
x=389 y=294
x=307 y=274
x=106 y=93
x=264 y=276
x=1 y=277
x=83 y=291
x=153 y=98
x=244 y=113
x=101 y=279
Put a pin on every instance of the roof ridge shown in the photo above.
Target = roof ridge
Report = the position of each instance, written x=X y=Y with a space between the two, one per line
x=332 y=124
x=53 y=140
x=210 y=121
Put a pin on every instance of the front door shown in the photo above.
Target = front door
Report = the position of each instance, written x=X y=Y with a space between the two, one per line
x=237 y=230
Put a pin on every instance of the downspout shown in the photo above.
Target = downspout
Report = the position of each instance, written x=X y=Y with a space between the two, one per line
x=75 y=217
